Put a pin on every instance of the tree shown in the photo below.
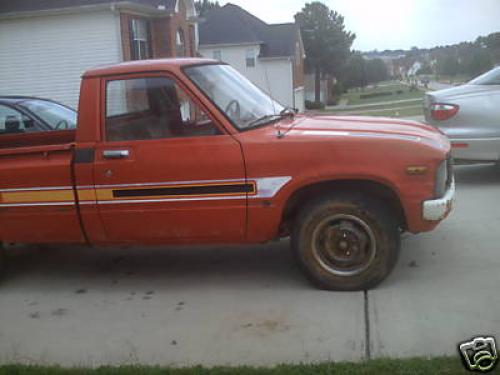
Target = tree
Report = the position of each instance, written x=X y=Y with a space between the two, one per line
x=326 y=41
x=359 y=72
x=203 y=6
x=426 y=69
x=478 y=63
x=448 y=65
x=415 y=51
x=376 y=71
x=491 y=41
x=354 y=72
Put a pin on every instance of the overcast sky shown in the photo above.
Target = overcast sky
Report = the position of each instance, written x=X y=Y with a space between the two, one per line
x=394 y=24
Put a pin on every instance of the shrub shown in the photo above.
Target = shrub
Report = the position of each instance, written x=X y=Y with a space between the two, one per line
x=338 y=89
x=375 y=94
x=314 y=105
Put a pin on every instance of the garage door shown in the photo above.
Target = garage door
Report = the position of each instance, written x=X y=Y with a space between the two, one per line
x=46 y=56
x=300 y=99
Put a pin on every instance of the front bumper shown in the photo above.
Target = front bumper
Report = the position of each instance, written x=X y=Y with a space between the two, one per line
x=438 y=209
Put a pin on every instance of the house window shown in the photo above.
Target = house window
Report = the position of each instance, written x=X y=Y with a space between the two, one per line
x=140 y=40
x=180 y=43
x=217 y=55
x=250 y=58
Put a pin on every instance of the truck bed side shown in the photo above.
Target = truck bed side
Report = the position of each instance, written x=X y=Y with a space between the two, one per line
x=37 y=194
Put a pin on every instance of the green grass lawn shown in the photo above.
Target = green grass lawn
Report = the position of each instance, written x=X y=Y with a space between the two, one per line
x=439 y=366
x=353 y=97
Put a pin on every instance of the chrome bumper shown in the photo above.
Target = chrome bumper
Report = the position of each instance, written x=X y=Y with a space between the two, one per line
x=438 y=209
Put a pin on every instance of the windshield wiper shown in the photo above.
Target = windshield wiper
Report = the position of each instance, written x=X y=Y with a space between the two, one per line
x=285 y=112
x=263 y=119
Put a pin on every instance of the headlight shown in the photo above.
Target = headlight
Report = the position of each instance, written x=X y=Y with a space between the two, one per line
x=441 y=179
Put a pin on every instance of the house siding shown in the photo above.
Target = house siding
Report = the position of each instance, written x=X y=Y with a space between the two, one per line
x=45 y=56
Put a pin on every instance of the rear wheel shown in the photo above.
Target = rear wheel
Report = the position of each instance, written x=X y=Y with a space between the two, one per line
x=346 y=242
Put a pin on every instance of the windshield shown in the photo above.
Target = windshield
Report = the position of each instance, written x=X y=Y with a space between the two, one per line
x=57 y=116
x=243 y=103
x=489 y=78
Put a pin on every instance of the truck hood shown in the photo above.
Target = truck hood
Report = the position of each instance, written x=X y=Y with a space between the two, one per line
x=364 y=126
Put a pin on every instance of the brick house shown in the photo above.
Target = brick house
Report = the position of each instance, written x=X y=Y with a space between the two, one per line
x=45 y=45
x=270 y=55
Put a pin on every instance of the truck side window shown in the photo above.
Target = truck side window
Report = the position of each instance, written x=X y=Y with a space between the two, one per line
x=152 y=108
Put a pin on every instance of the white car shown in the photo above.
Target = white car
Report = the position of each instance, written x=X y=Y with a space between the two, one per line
x=470 y=116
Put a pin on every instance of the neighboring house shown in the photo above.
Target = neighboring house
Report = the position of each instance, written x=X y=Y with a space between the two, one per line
x=45 y=45
x=391 y=60
x=271 y=56
x=325 y=88
x=417 y=65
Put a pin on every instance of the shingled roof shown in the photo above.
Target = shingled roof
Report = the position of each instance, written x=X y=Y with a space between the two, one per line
x=231 y=24
x=46 y=5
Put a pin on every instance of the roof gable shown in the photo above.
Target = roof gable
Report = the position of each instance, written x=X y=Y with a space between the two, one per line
x=234 y=25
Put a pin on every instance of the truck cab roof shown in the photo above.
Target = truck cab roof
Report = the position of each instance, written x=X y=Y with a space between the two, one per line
x=144 y=66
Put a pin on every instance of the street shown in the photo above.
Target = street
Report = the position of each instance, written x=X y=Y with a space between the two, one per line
x=436 y=86
x=251 y=305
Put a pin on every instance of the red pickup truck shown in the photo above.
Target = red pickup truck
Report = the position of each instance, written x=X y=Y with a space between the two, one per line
x=188 y=151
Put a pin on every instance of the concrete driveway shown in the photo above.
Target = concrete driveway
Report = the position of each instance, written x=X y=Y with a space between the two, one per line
x=251 y=305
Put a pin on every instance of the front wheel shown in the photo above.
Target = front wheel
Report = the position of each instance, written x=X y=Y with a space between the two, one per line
x=346 y=242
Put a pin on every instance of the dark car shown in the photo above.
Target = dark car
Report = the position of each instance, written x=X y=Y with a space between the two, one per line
x=22 y=114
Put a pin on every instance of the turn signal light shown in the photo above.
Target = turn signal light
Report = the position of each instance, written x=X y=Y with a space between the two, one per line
x=443 y=112
x=416 y=170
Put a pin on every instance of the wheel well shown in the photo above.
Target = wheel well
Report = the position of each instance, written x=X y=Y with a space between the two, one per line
x=366 y=187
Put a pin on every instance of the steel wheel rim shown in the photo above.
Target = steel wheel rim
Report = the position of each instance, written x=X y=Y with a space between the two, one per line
x=344 y=245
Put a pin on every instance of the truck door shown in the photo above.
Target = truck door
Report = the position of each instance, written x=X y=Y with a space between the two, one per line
x=165 y=171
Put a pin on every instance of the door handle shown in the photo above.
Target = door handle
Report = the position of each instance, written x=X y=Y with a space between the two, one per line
x=116 y=154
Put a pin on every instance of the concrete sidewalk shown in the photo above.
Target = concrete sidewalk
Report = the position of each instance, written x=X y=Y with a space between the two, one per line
x=251 y=305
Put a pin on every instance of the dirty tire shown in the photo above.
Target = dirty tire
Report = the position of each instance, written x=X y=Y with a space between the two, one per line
x=346 y=242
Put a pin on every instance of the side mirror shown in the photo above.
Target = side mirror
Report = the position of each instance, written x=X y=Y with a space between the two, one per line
x=12 y=124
